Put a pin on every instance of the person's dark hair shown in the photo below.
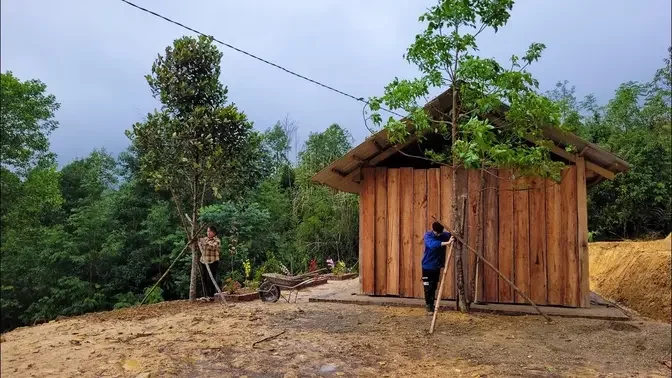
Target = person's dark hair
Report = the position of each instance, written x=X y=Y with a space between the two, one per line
x=437 y=227
x=213 y=229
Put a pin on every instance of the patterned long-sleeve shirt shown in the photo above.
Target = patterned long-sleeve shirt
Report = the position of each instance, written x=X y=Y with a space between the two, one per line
x=210 y=249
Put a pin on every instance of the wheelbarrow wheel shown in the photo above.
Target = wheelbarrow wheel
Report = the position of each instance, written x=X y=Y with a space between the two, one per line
x=269 y=292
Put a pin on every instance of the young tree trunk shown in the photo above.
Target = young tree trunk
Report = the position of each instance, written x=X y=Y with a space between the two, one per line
x=458 y=217
x=195 y=253
x=480 y=241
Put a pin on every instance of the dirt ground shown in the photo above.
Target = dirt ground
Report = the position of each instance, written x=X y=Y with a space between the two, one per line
x=636 y=274
x=181 y=339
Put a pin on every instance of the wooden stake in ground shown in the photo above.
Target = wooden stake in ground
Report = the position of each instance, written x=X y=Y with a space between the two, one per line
x=477 y=287
x=443 y=279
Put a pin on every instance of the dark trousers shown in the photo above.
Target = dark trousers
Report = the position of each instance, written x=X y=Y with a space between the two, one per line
x=430 y=281
x=209 y=289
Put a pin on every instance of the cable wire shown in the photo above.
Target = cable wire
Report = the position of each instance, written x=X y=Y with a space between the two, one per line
x=360 y=99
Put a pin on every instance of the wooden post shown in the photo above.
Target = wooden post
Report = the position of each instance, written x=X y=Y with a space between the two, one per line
x=476 y=276
x=582 y=201
x=443 y=280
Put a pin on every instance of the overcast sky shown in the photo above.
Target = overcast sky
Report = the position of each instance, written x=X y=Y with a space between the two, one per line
x=93 y=55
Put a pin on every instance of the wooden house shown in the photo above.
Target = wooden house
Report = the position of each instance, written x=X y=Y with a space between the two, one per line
x=534 y=231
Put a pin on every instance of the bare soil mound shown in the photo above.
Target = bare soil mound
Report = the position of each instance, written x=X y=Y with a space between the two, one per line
x=636 y=274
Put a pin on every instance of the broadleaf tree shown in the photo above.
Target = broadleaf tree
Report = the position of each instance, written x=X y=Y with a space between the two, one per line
x=26 y=120
x=197 y=146
x=497 y=113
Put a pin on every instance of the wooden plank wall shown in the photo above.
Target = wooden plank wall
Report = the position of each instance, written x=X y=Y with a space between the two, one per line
x=447 y=216
x=407 y=257
x=419 y=227
x=382 y=232
x=533 y=230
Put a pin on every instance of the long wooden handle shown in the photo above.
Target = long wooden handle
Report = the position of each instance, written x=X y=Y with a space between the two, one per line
x=443 y=279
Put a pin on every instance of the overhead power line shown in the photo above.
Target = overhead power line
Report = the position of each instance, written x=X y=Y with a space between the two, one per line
x=360 y=99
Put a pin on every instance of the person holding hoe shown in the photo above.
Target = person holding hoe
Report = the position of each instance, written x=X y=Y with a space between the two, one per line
x=210 y=247
x=433 y=260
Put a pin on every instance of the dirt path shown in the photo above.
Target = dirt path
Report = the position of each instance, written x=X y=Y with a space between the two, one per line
x=179 y=339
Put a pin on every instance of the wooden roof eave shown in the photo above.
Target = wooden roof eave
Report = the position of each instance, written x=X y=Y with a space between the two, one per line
x=348 y=180
x=343 y=174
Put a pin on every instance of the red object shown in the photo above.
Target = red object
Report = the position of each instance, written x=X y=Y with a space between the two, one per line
x=312 y=266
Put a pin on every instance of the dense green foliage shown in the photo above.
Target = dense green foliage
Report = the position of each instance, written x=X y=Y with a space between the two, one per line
x=26 y=120
x=96 y=234
x=636 y=125
x=480 y=134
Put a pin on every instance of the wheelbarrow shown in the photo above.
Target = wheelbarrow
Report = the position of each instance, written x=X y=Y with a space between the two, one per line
x=271 y=288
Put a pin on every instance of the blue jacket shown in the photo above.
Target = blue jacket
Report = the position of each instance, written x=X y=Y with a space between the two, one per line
x=435 y=255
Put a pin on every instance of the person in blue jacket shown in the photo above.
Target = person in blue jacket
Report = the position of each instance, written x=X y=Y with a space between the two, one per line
x=433 y=260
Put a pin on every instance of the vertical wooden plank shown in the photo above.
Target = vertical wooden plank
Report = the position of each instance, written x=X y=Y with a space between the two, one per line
x=473 y=236
x=463 y=191
x=505 y=250
x=419 y=223
x=521 y=233
x=538 y=285
x=393 y=236
x=406 y=231
x=554 y=259
x=570 y=251
x=381 y=231
x=446 y=186
x=491 y=237
x=367 y=198
x=582 y=228
x=433 y=196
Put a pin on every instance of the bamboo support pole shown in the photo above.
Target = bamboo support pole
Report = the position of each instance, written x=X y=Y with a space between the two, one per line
x=443 y=280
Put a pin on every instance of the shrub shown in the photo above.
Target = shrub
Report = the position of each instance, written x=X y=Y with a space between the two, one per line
x=339 y=268
x=231 y=286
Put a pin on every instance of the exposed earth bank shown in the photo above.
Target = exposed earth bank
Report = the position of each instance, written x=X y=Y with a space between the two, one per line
x=636 y=274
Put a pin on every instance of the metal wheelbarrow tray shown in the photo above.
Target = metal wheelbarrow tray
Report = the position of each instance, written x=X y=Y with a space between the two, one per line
x=270 y=289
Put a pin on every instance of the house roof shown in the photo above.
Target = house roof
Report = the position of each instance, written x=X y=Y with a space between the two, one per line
x=343 y=174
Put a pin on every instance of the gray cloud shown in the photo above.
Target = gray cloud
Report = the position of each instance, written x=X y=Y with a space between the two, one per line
x=93 y=54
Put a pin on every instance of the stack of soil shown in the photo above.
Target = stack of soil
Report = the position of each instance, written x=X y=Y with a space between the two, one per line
x=636 y=274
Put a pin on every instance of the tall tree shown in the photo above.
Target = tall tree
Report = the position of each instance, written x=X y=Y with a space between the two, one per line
x=564 y=96
x=635 y=124
x=26 y=120
x=278 y=140
x=445 y=54
x=328 y=221
x=197 y=147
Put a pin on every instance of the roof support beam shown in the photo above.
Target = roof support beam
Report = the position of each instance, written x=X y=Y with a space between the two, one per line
x=592 y=166
x=359 y=159
x=572 y=157
x=377 y=144
x=339 y=172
